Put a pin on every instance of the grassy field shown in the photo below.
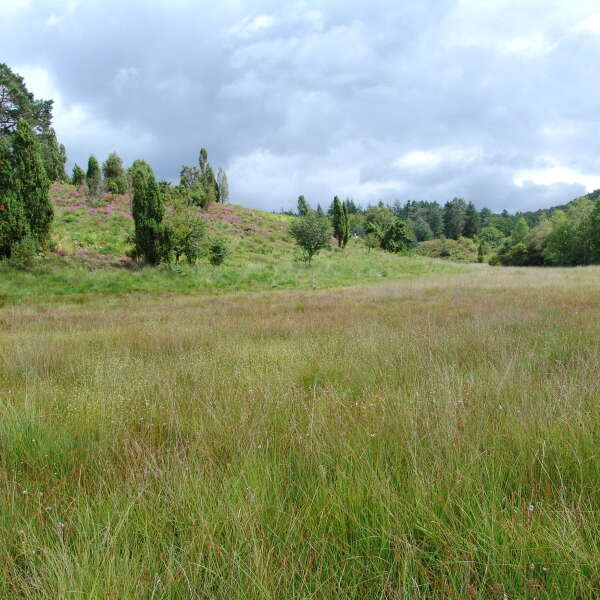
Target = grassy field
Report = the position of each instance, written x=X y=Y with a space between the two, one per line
x=428 y=438
x=89 y=257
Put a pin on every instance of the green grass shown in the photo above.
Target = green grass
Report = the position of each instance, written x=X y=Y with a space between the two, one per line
x=430 y=438
x=90 y=246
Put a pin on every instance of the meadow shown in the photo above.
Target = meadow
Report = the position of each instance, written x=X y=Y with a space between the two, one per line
x=430 y=437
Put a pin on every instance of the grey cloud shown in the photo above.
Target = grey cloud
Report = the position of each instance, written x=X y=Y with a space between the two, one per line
x=322 y=98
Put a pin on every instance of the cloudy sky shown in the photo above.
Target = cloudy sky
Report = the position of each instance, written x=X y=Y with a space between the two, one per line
x=496 y=101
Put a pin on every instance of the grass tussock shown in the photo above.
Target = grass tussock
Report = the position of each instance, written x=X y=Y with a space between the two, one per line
x=433 y=438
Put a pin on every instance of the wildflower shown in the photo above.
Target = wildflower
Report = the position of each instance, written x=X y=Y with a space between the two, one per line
x=531 y=508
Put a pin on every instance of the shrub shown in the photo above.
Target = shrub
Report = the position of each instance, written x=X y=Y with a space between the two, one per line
x=218 y=250
x=23 y=253
x=397 y=237
x=461 y=250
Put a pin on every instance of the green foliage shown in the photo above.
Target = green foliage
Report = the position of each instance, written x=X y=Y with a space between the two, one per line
x=115 y=177
x=339 y=219
x=312 y=233
x=13 y=222
x=23 y=253
x=31 y=181
x=18 y=104
x=93 y=176
x=54 y=156
x=397 y=237
x=372 y=241
x=462 y=250
x=491 y=236
x=188 y=231
x=218 y=250
x=454 y=218
x=378 y=219
x=200 y=187
x=303 y=208
x=152 y=240
x=78 y=177
x=421 y=230
x=472 y=223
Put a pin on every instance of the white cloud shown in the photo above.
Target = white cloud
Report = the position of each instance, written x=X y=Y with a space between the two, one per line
x=252 y=25
x=418 y=159
x=591 y=24
x=557 y=173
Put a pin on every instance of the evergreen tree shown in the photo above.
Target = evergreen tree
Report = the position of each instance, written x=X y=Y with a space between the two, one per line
x=78 y=178
x=472 y=224
x=54 y=156
x=421 y=230
x=303 y=208
x=593 y=230
x=340 y=222
x=319 y=211
x=115 y=178
x=32 y=183
x=484 y=217
x=454 y=218
x=153 y=240
x=13 y=222
x=435 y=220
x=93 y=176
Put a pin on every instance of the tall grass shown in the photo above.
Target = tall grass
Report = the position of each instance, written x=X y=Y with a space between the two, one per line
x=431 y=438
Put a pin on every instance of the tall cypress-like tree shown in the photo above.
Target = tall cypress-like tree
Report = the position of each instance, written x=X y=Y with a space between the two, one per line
x=454 y=218
x=339 y=220
x=78 y=178
x=13 y=222
x=152 y=238
x=115 y=178
x=32 y=183
x=93 y=176
x=303 y=208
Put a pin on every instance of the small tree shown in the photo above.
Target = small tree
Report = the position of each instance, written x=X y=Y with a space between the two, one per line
x=153 y=240
x=372 y=241
x=339 y=220
x=472 y=221
x=114 y=174
x=188 y=231
x=397 y=237
x=222 y=186
x=78 y=178
x=31 y=181
x=312 y=233
x=93 y=176
x=303 y=208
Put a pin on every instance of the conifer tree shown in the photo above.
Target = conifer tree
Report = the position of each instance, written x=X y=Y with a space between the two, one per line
x=114 y=174
x=93 y=176
x=339 y=221
x=13 y=223
x=472 y=223
x=31 y=181
x=152 y=238
x=78 y=178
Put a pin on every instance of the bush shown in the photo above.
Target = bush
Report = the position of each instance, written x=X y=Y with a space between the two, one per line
x=218 y=250
x=23 y=254
x=461 y=250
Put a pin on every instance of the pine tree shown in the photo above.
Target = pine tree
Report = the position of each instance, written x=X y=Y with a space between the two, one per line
x=13 y=223
x=472 y=225
x=454 y=218
x=152 y=238
x=93 y=176
x=32 y=183
x=54 y=156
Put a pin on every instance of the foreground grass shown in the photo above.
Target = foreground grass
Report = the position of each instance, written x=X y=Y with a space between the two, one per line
x=429 y=438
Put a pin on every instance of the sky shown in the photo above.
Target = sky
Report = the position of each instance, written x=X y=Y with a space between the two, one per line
x=496 y=101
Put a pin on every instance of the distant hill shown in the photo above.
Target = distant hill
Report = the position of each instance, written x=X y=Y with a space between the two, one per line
x=533 y=217
x=95 y=232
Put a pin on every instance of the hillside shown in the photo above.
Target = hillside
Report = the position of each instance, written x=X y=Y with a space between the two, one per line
x=89 y=257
